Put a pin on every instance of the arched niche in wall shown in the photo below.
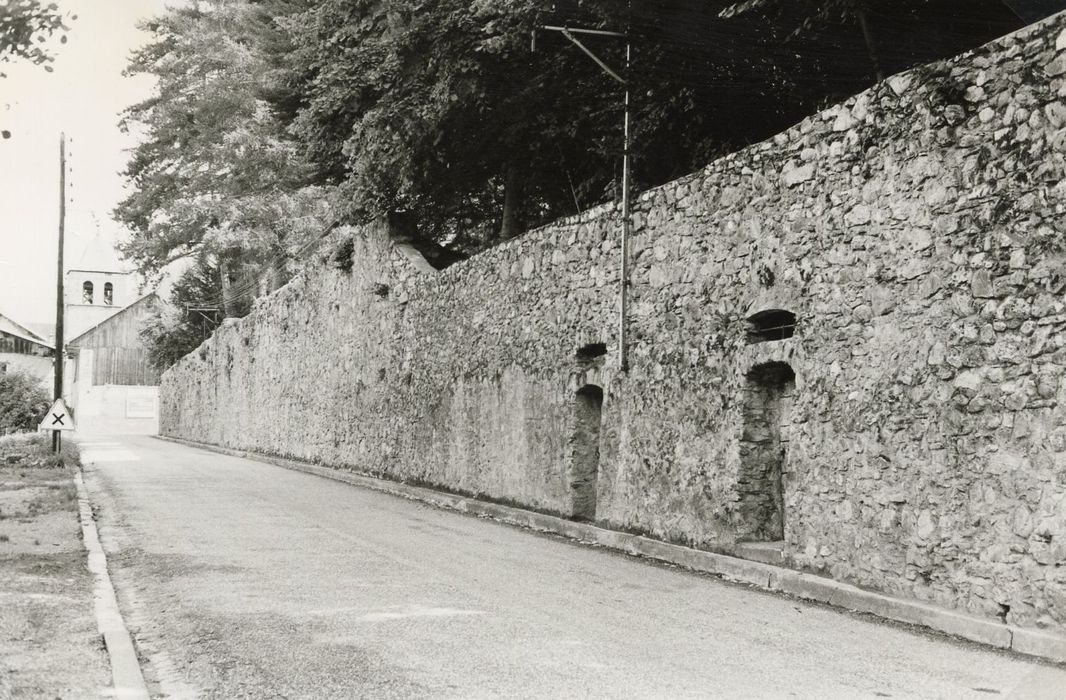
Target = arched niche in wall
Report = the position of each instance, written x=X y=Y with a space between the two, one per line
x=585 y=465
x=770 y=325
x=589 y=353
x=768 y=391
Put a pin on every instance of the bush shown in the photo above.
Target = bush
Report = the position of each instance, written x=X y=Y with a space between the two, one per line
x=23 y=402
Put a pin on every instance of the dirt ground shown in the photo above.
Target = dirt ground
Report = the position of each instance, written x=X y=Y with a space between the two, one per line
x=49 y=643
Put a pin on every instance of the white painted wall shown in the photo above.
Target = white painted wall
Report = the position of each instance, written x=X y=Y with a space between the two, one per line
x=40 y=367
x=109 y=409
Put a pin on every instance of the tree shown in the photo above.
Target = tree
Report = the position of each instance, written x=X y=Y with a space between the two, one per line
x=936 y=28
x=814 y=13
x=23 y=402
x=172 y=332
x=216 y=174
x=443 y=113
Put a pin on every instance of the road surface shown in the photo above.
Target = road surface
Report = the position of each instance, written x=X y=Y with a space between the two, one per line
x=242 y=579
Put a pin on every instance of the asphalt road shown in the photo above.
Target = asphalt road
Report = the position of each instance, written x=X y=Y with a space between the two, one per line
x=242 y=579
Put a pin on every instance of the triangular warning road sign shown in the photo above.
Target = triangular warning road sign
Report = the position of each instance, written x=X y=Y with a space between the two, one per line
x=57 y=418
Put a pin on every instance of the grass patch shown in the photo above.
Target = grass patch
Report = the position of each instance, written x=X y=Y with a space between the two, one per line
x=34 y=451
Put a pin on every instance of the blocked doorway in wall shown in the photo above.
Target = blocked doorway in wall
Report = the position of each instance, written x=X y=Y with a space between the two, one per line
x=585 y=467
x=768 y=390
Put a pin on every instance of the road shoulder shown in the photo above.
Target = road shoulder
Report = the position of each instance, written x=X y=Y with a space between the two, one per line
x=50 y=645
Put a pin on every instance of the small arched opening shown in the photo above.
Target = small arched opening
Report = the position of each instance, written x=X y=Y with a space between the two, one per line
x=772 y=324
x=768 y=391
x=87 y=292
x=591 y=352
x=109 y=293
x=585 y=467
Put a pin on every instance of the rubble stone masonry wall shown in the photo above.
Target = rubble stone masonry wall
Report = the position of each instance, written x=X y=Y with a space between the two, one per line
x=916 y=231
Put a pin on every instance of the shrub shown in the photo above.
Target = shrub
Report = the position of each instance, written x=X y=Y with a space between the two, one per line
x=23 y=402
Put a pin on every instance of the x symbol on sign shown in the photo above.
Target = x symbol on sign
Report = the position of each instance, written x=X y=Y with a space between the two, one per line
x=57 y=418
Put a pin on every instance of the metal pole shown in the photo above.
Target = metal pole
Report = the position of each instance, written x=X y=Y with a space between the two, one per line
x=599 y=62
x=627 y=230
x=58 y=360
x=627 y=219
x=576 y=30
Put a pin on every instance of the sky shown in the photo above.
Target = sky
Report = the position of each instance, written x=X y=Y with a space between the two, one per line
x=83 y=98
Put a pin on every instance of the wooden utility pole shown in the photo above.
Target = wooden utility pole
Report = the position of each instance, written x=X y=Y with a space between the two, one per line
x=58 y=360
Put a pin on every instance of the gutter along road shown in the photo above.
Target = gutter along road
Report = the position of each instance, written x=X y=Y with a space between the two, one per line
x=239 y=578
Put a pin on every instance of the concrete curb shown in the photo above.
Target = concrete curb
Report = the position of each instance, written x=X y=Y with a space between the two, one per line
x=126 y=677
x=1033 y=642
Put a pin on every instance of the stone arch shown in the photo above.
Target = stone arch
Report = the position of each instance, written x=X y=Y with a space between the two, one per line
x=771 y=324
x=585 y=463
x=768 y=390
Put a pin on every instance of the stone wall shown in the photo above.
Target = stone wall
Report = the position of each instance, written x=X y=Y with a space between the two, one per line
x=916 y=232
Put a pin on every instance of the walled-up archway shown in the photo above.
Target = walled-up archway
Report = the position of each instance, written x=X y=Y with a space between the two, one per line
x=767 y=391
x=586 y=458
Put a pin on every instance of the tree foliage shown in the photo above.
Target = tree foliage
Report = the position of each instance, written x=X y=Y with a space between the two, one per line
x=812 y=13
x=431 y=108
x=172 y=331
x=25 y=28
x=23 y=402
x=442 y=115
x=216 y=173
x=442 y=111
